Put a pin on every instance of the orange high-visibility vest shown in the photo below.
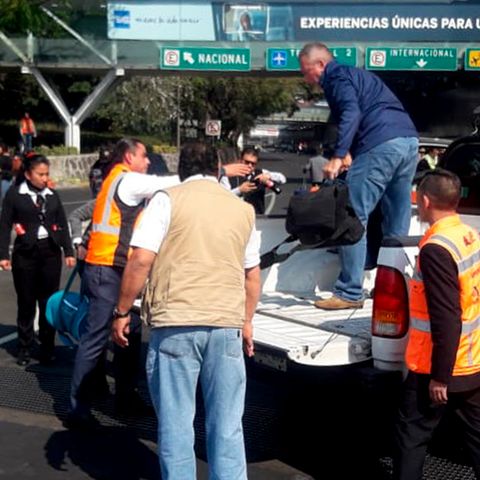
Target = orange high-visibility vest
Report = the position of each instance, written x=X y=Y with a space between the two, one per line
x=112 y=223
x=463 y=244
x=27 y=126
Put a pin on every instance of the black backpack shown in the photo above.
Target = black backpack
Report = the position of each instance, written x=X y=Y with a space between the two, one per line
x=324 y=218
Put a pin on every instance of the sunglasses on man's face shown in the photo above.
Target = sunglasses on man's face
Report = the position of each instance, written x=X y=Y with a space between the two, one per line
x=248 y=162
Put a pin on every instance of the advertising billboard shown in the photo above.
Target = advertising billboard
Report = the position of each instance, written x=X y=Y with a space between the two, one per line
x=457 y=21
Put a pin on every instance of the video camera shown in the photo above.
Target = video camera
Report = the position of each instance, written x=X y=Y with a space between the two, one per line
x=270 y=184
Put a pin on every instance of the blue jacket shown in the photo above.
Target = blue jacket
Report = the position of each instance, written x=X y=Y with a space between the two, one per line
x=366 y=111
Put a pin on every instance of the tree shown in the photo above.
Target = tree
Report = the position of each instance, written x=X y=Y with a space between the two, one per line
x=148 y=105
x=237 y=102
x=142 y=105
x=20 y=17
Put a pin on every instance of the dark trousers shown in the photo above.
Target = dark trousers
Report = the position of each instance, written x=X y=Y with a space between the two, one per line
x=418 y=418
x=102 y=285
x=36 y=276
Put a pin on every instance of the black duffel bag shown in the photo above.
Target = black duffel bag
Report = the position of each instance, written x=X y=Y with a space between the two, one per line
x=324 y=218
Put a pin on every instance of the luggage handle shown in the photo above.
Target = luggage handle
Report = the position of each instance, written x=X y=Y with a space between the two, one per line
x=70 y=280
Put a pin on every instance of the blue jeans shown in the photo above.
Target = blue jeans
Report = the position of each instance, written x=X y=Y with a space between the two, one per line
x=101 y=284
x=27 y=140
x=4 y=186
x=383 y=174
x=177 y=358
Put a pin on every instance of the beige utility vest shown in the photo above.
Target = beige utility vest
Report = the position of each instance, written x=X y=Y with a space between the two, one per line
x=198 y=277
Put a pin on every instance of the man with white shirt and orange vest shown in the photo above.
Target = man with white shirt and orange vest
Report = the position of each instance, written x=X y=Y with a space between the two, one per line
x=118 y=205
x=443 y=350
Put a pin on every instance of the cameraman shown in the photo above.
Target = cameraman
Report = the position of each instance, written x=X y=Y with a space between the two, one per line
x=252 y=187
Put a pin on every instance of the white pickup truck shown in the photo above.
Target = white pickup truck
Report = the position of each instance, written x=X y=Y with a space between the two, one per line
x=289 y=330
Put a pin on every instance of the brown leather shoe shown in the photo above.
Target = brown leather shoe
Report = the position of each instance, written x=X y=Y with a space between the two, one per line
x=337 y=303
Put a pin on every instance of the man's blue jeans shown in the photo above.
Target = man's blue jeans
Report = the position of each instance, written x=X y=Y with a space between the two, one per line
x=383 y=174
x=4 y=186
x=27 y=142
x=102 y=285
x=177 y=358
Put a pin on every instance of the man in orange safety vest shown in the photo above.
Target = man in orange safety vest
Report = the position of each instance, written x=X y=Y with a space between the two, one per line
x=27 y=131
x=443 y=350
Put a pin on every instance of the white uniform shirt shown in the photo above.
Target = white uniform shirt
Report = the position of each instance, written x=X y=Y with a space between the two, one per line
x=136 y=187
x=133 y=189
x=153 y=227
x=24 y=190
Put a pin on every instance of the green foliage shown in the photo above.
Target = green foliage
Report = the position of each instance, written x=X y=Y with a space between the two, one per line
x=19 y=17
x=84 y=87
x=149 y=106
x=237 y=102
x=55 y=150
x=19 y=93
x=163 y=148
x=142 y=105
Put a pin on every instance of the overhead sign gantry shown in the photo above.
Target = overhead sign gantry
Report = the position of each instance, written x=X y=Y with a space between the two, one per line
x=183 y=36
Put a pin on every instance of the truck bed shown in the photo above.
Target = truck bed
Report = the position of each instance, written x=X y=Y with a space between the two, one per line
x=287 y=326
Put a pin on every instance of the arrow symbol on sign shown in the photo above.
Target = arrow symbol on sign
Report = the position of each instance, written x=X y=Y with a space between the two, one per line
x=188 y=57
x=421 y=63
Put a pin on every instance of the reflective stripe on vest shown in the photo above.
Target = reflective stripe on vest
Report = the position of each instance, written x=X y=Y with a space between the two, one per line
x=424 y=325
x=468 y=262
x=108 y=240
x=105 y=227
x=449 y=243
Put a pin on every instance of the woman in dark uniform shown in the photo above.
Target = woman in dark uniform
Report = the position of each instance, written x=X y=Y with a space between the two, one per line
x=36 y=214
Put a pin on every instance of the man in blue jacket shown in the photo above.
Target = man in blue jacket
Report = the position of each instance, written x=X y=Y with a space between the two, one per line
x=376 y=132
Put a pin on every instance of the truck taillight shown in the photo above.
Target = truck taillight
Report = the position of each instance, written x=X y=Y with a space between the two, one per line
x=390 y=304
x=413 y=195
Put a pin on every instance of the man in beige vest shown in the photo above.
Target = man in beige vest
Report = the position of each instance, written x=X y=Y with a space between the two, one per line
x=198 y=245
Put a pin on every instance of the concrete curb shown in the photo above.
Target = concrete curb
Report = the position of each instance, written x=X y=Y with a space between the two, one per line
x=72 y=170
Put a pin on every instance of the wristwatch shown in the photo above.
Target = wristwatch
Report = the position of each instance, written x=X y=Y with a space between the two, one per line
x=118 y=314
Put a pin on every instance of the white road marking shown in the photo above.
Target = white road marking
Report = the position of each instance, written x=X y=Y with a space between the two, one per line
x=8 y=338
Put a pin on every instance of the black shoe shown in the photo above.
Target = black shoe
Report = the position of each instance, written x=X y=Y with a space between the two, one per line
x=23 y=357
x=132 y=404
x=81 y=423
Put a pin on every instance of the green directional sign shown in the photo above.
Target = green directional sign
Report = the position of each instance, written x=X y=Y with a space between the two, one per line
x=345 y=55
x=411 y=58
x=286 y=59
x=198 y=58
